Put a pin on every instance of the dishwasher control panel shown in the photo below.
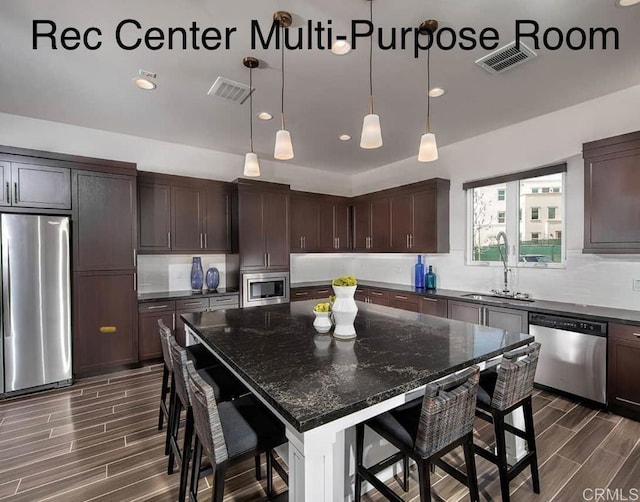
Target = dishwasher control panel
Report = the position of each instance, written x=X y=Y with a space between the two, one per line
x=569 y=324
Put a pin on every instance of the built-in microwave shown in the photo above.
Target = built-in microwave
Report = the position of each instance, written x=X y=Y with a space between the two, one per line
x=265 y=288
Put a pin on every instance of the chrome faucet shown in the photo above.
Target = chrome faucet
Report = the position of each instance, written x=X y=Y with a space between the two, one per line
x=503 y=256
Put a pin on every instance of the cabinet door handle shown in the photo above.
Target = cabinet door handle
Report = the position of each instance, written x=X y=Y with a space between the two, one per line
x=268 y=259
x=191 y=304
x=301 y=242
x=322 y=291
x=410 y=241
x=338 y=246
x=157 y=307
x=15 y=192
x=8 y=193
x=135 y=282
x=637 y=335
x=206 y=245
x=302 y=293
x=479 y=316
x=430 y=299
x=400 y=297
x=108 y=329
x=201 y=242
x=174 y=321
x=376 y=293
x=169 y=240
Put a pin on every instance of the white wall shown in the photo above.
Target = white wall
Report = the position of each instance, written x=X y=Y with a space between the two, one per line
x=173 y=272
x=159 y=156
x=599 y=280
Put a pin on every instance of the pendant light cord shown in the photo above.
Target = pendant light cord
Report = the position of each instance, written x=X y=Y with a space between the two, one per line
x=371 y=59
x=428 y=89
x=251 y=108
x=282 y=64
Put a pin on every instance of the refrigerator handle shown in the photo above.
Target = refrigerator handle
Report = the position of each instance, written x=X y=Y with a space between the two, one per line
x=7 y=316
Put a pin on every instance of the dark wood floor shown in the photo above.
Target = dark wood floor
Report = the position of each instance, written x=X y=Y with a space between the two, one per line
x=98 y=440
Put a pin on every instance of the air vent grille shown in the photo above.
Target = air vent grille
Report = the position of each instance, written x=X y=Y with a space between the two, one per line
x=229 y=90
x=505 y=57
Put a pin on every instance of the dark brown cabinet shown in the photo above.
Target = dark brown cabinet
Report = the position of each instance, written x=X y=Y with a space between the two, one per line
x=263 y=235
x=319 y=223
x=623 y=390
x=179 y=214
x=148 y=335
x=612 y=195
x=105 y=328
x=186 y=218
x=372 y=295
x=185 y=307
x=434 y=306
x=154 y=203
x=404 y=301
x=35 y=186
x=104 y=216
x=313 y=293
x=410 y=218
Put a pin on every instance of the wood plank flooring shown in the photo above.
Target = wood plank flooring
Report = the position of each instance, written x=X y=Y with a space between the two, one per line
x=98 y=440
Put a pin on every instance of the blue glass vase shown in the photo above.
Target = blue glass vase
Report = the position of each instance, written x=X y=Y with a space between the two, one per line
x=419 y=274
x=197 y=274
x=212 y=278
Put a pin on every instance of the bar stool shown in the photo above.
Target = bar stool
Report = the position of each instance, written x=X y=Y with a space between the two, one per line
x=225 y=387
x=201 y=357
x=424 y=430
x=230 y=432
x=502 y=390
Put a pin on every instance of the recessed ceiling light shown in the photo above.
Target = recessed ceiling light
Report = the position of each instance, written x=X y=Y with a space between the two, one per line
x=264 y=116
x=345 y=137
x=340 y=47
x=144 y=83
x=436 y=92
x=627 y=3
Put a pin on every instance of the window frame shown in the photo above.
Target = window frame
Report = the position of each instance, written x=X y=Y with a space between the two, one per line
x=537 y=208
x=512 y=223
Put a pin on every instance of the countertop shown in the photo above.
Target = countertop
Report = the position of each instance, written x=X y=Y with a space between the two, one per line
x=311 y=379
x=587 y=312
x=184 y=295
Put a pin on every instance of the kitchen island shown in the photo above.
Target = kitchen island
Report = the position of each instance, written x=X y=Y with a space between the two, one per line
x=321 y=387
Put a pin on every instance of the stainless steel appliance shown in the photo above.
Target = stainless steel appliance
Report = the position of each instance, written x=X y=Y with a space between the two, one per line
x=265 y=288
x=36 y=300
x=573 y=355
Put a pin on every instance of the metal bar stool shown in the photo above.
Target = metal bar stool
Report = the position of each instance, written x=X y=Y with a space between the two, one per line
x=502 y=390
x=424 y=430
x=225 y=387
x=230 y=432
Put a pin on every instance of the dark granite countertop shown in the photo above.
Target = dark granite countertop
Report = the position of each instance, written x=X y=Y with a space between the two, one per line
x=184 y=295
x=312 y=379
x=587 y=312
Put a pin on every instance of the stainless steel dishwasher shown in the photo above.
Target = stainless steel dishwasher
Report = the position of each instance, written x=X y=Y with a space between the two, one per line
x=573 y=355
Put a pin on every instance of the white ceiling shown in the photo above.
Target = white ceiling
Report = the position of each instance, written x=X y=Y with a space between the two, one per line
x=327 y=95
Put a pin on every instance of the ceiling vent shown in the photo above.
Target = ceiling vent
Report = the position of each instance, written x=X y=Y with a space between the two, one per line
x=230 y=90
x=505 y=57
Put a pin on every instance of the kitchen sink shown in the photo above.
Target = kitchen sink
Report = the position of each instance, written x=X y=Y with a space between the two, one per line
x=493 y=298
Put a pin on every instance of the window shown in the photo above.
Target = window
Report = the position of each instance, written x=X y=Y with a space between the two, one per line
x=513 y=204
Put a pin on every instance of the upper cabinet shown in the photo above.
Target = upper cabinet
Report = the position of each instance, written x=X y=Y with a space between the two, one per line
x=179 y=214
x=104 y=219
x=319 y=223
x=35 y=186
x=263 y=225
x=612 y=195
x=411 y=218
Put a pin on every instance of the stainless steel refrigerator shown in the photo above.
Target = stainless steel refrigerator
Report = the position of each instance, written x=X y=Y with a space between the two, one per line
x=36 y=302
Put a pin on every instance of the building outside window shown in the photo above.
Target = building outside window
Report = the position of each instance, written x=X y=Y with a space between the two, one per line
x=527 y=207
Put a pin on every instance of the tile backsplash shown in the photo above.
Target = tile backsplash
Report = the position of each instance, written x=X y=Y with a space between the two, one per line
x=173 y=272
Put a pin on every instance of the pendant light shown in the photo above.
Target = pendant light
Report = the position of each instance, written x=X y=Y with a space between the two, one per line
x=284 y=148
x=371 y=133
x=428 y=148
x=251 y=164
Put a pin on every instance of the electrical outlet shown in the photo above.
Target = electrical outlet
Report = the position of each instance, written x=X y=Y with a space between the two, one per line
x=636 y=285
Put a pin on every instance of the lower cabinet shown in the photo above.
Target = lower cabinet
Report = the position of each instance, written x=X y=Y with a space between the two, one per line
x=105 y=333
x=404 y=301
x=313 y=293
x=623 y=390
x=508 y=319
x=148 y=335
x=433 y=306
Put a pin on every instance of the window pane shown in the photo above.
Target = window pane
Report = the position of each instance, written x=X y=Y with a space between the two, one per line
x=540 y=234
x=489 y=210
